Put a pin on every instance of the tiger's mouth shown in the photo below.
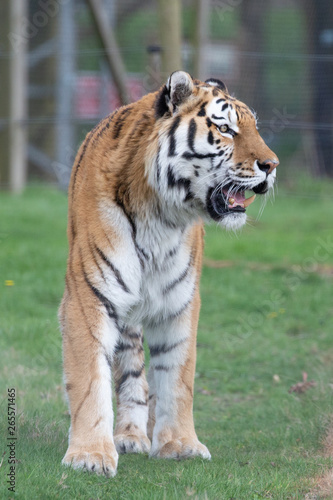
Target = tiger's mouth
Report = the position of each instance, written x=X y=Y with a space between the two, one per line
x=231 y=200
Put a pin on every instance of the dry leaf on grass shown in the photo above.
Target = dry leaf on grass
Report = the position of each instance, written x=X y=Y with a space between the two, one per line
x=62 y=480
x=301 y=387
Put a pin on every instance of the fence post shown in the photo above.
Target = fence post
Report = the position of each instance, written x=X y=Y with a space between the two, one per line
x=18 y=99
x=4 y=93
x=65 y=73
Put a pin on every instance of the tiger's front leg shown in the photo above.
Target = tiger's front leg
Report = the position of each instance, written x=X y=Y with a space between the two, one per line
x=89 y=338
x=131 y=386
x=171 y=379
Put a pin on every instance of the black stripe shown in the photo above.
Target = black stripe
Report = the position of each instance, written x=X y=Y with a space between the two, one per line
x=114 y=269
x=209 y=122
x=110 y=308
x=189 y=195
x=97 y=421
x=101 y=131
x=225 y=106
x=161 y=368
x=173 y=251
x=92 y=251
x=86 y=395
x=180 y=311
x=126 y=375
x=122 y=206
x=132 y=335
x=86 y=143
x=218 y=117
x=73 y=232
x=174 y=283
x=80 y=302
x=196 y=171
x=219 y=165
x=164 y=348
x=156 y=322
x=84 y=317
x=160 y=102
x=210 y=137
x=179 y=183
x=108 y=360
x=171 y=177
x=192 y=130
x=121 y=347
x=220 y=100
x=202 y=111
x=137 y=402
x=190 y=156
x=171 y=133
x=118 y=125
x=158 y=166
x=140 y=252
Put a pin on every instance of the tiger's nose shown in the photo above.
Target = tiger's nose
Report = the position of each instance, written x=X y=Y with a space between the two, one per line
x=268 y=166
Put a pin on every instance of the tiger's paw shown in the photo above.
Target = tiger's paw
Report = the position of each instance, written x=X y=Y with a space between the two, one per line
x=132 y=443
x=181 y=448
x=99 y=459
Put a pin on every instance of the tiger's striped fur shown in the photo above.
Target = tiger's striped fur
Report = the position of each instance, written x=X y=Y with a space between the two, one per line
x=143 y=181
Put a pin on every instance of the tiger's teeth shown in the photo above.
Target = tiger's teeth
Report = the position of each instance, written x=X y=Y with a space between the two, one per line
x=231 y=201
x=248 y=201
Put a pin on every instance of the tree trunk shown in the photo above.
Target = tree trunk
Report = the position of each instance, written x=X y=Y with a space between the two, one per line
x=170 y=35
x=108 y=39
x=4 y=101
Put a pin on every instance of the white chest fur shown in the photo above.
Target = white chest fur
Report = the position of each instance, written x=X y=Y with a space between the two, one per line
x=167 y=278
x=154 y=262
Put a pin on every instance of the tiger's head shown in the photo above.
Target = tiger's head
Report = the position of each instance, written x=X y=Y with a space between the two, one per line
x=210 y=151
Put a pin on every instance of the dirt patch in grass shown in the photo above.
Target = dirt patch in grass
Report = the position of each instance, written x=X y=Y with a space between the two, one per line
x=323 y=488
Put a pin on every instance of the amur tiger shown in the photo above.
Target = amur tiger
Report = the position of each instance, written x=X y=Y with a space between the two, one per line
x=143 y=182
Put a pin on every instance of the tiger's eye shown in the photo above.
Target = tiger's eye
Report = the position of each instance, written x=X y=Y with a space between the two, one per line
x=224 y=128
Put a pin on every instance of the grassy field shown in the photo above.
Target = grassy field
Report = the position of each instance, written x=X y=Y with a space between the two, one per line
x=267 y=317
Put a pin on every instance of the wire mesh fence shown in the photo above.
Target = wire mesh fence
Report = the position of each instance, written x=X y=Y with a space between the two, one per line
x=275 y=55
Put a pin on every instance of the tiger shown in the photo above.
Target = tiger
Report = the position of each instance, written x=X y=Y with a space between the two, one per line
x=144 y=182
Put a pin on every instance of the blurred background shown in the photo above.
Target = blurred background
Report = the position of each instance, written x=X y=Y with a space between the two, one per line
x=65 y=64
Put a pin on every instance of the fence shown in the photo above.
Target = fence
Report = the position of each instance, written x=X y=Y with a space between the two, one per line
x=275 y=55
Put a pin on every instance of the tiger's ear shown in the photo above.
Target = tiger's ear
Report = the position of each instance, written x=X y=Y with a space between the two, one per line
x=217 y=83
x=175 y=92
x=180 y=86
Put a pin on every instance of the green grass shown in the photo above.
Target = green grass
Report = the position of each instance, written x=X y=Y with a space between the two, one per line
x=268 y=314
